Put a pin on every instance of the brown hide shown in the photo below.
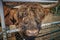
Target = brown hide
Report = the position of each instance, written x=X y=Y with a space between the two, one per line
x=10 y=15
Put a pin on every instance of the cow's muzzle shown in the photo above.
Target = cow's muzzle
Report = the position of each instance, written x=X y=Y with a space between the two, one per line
x=32 y=32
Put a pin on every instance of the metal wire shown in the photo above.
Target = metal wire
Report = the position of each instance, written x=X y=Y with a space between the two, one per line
x=45 y=1
x=43 y=26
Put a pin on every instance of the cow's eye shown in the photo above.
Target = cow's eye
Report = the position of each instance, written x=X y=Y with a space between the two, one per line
x=24 y=27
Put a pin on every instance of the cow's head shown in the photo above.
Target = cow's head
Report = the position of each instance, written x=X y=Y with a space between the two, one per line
x=30 y=17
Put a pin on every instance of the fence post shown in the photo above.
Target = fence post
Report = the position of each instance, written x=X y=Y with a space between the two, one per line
x=2 y=21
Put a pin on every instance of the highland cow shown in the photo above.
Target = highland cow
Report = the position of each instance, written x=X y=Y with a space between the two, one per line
x=28 y=18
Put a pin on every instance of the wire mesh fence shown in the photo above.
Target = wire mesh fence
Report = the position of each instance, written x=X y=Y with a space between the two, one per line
x=49 y=33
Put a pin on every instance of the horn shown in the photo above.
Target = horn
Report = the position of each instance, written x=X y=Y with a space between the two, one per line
x=17 y=7
x=49 y=5
x=43 y=5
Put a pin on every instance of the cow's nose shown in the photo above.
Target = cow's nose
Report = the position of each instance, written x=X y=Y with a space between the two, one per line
x=32 y=32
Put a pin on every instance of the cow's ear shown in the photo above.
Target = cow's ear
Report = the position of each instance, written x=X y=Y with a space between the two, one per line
x=47 y=11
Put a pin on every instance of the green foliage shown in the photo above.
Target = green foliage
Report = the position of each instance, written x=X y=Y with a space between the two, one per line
x=58 y=11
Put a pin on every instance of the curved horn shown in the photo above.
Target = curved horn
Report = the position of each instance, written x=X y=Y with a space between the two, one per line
x=17 y=6
x=49 y=5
